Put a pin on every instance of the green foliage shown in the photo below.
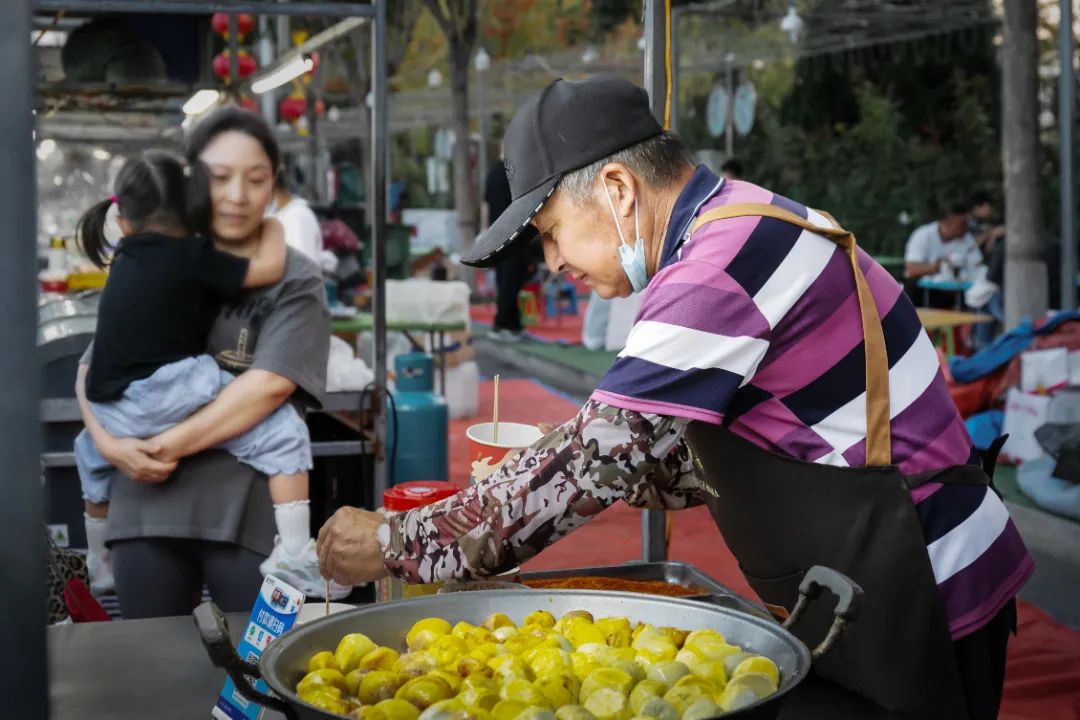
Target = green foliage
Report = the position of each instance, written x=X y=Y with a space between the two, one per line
x=871 y=136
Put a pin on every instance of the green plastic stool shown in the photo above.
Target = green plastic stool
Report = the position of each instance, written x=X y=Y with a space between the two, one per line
x=528 y=307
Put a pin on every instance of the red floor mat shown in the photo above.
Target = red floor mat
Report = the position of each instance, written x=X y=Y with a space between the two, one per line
x=1043 y=673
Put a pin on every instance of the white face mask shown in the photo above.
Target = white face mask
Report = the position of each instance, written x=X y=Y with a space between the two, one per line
x=632 y=259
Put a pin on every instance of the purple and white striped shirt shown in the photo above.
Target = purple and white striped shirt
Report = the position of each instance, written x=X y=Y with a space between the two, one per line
x=754 y=323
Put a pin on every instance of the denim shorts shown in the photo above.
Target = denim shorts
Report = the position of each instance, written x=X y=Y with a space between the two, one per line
x=278 y=445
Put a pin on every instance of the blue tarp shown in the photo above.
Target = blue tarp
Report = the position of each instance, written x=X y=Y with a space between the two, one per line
x=1004 y=349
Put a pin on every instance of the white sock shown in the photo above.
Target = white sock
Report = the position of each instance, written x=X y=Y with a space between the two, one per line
x=293 y=525
x=95 y=536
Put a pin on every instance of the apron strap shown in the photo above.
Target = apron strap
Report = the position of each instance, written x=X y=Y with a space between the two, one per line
x=878 y=439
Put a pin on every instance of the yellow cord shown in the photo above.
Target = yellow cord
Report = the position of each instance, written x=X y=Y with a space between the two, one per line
x=667 y=64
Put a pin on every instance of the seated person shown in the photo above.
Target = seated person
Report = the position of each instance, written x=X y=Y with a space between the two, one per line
x=935 y=246
x=944 y=240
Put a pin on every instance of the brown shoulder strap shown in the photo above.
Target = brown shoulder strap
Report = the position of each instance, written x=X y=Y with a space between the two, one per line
x=878 y=440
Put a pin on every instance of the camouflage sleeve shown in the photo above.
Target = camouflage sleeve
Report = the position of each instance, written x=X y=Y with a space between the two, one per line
x=603 y=455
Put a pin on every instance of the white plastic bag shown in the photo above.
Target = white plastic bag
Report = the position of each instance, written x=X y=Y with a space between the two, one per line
x=1042 y=370
x=1024 y=414
x=463 y=389
x=344 y=371
x=427 y=302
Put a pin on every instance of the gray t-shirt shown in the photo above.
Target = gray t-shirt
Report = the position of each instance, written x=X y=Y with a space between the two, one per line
x=284 y=329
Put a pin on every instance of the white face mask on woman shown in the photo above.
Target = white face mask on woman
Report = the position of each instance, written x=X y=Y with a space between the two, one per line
x=632 y=259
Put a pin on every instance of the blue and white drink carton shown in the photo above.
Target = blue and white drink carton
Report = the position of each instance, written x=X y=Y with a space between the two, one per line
x=275 y=611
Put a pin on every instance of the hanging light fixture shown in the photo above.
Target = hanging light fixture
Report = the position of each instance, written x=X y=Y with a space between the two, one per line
x=791 y=23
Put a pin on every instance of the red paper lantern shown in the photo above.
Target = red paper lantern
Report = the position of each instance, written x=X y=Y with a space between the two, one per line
x=292 y=108
x=220 y=23
x=245 y=65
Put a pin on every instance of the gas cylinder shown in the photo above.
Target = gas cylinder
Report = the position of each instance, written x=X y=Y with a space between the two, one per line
x=420 y=443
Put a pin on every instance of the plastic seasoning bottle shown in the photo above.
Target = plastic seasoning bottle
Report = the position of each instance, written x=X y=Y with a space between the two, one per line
x=408 y=496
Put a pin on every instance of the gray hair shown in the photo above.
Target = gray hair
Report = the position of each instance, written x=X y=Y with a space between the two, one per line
x=658 y=161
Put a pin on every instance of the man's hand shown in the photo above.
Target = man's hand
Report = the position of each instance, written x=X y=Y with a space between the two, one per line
x=349 y=551
x=137 y=459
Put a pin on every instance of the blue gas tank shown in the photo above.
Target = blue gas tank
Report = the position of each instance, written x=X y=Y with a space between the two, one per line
x=419 y=446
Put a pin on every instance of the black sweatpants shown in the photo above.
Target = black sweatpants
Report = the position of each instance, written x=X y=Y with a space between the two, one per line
x=980 y=658
x=158 y=577
x=511 y=275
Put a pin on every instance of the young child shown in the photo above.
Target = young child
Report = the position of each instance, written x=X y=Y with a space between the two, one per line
x=149 y=369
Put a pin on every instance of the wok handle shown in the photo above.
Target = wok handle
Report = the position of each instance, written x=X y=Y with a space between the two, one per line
x=214 y=631
x=849 y=597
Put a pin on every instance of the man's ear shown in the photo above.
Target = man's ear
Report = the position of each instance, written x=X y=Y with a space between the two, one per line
x=621 y=186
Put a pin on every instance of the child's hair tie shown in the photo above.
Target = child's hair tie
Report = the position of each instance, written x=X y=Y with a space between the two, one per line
x=113 y=200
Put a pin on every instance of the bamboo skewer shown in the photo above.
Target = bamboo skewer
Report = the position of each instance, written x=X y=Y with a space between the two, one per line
x=495 y=414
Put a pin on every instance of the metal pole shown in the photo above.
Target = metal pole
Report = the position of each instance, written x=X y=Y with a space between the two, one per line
x=377 y=205
x=266 y=57
x=1066 y=125
x=675 y=15
x=729 y=125
x=24 y=671
x=654 y=522
x=234 y=52
x=482 y=159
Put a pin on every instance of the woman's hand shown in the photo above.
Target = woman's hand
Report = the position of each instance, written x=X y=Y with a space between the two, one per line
x=349 y=552
x=136 y=459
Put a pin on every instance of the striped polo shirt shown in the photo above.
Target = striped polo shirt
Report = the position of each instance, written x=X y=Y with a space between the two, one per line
x=753 y=323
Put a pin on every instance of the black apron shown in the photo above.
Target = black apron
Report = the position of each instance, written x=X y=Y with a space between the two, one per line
x=780 y=516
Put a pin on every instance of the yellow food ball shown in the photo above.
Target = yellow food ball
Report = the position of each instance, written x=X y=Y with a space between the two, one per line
x=710 y=647
x=452 y=678
x=521 y=644
x=605 y=678
x=608 y=704
x=508 y=710
x=631 y=668
x=352 y=648
x=536 y=713
x=658 y=708
x=643 y=691
x=381 y=658
x=328 y=699
x=368 y=712
x=522 y=691
x=379 y=685
x=654 y=644
x=425 y=691
x=352 y=680
x=443 y=710
x=713 y=671
x=394 y=709
x=690 y=659
x=322 y=661
x=573 y=712
x=616 y=630
x=667 y=672
x=583 y=664
x=323 y=677
x=580 y=631
x=446 y=650
x=758 y=664
x=547 y=661
x=479 y=698
x=479 y=681
x=415 y=664
x=559 y=689
x=689 y=690
x=744 y=690
x=469 y=665
x=497 y=620
x=541 y=618
x=677 y=636
x=703 y=709
x=426 y=631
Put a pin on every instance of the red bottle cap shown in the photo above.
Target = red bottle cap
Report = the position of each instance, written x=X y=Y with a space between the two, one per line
x=417 y=493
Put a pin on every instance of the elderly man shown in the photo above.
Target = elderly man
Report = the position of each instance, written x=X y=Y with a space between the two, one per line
x=775 y=373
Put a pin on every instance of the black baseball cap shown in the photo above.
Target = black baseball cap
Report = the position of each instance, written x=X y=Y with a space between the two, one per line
x=569 y=125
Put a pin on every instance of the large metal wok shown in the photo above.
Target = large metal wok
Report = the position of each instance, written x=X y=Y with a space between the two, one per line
x=284 y=662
